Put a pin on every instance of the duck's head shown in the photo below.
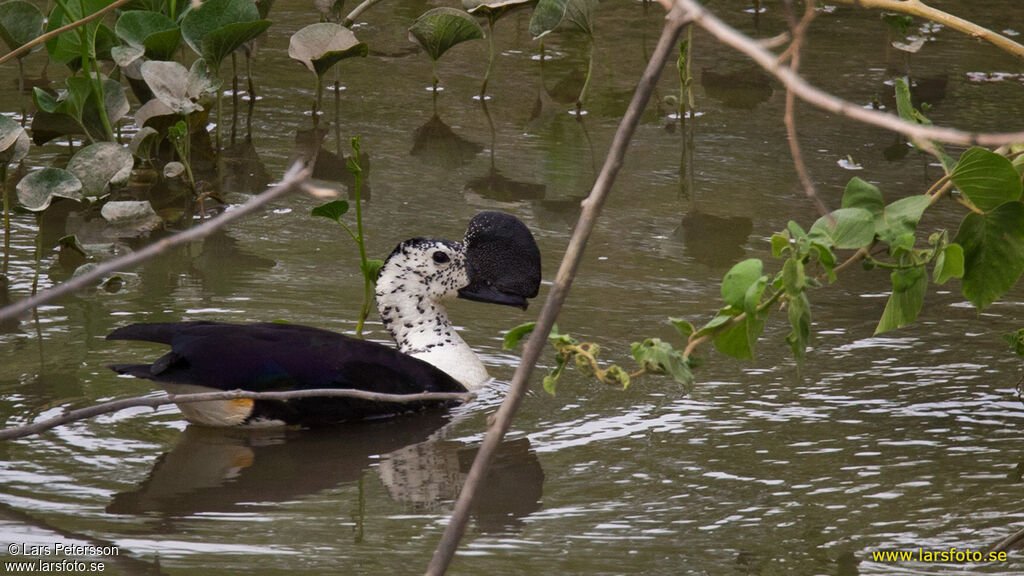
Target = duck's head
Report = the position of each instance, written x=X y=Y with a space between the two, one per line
x=502 y=259
x=497 y=262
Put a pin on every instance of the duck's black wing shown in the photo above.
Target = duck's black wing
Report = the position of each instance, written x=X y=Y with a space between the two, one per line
x=267 y=357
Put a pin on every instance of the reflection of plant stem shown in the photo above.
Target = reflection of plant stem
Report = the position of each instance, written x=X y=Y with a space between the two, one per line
x=7 y=218
x=490 y=56
x=318 y=99
x=39 y=251
x=220 y=114
x=248 y=75
x=586 y=82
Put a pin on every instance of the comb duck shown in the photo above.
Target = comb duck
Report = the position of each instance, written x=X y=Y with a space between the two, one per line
x=497 y=262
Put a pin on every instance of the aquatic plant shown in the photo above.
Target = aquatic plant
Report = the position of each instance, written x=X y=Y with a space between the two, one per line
x=319 y=47
x=216 y=29
x=492 y=10
x=439 y=29
x=334 y=210
x=20 y=22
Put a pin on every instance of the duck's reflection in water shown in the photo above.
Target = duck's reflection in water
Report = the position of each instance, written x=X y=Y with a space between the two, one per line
x=235 y=470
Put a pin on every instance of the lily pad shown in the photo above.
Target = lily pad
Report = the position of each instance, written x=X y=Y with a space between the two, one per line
x=13 y=141
x=37 y=190
x=100 y=165
x=20 y=22
x=320 y=46
x=154 y=32
x=437 y=30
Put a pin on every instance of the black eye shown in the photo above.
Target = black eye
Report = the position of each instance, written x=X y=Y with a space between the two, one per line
x=441 y=257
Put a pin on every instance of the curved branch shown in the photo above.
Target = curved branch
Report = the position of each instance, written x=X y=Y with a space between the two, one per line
x=445 y=550
x=918 y=8
x=817 y=97
x=295 y=177
x=53 y=33
x=157 y=401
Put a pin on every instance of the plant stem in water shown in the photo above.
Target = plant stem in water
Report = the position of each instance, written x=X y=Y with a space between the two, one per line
x=490 y=56
x=583 y=91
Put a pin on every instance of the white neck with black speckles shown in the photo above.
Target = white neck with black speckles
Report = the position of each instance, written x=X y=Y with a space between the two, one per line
x=410 y=305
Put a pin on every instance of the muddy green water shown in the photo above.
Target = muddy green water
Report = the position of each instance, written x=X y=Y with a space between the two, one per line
x=905 y=441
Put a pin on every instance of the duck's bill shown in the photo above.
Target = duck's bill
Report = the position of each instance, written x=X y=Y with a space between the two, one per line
x=491 y=295
x=502 y=259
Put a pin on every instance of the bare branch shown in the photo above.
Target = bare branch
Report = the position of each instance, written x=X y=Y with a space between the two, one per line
x=293 y=178
x=817 y=97
x=40 y=39
x=556 y=297
x=357 y=11
x=918 y=8
x=156 y=401
x=799 y=30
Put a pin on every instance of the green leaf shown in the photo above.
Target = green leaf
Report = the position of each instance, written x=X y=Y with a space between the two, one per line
x=320 y=46
x=37 y=190
x=752 y=298
x=949 y=264
x=780 y=243
x=66 y=48
x=794 y=277
x=849 y=228
x=901 y=217
x=439 y=29
x=372 y=269
x=724 y=315
x=986 y=178
x=547 y=15
x=20 y=22
x=685 y=328
x=14 y=142
x=800 y=324
x=154 y=32
x=213 y=15
x=738 y=279
x=738 y=340
x=1016 y=341
x=908 y=113
x=513 y=336
x=909 y=286
x=658 y=357
x=993 y=245
x=551 y=381
x=333 y=210
x=99 y=165
x=220 y=43
x=861 y=194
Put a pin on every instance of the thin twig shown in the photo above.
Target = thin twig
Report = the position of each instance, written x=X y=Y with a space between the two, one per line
x=54 y=33
x=157 y=401
x=918 y=8
x=789 y=118
x=817 y=97
x=556 y=297
x=294 y=178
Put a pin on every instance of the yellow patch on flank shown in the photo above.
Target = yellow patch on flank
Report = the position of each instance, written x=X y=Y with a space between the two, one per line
x=243 y=403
